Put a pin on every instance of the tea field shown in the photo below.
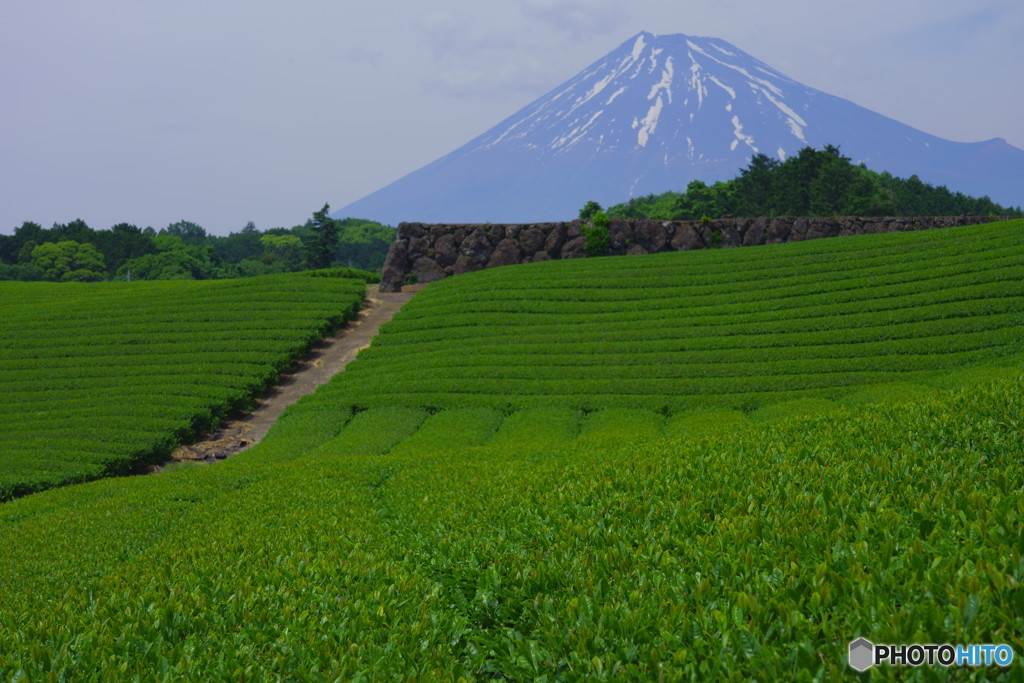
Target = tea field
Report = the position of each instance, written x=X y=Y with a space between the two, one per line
x=649 y=468
x=100 y=379
x=736 y=329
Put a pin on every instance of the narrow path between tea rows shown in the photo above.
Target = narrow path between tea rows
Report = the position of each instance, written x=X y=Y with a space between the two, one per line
x=327 y=358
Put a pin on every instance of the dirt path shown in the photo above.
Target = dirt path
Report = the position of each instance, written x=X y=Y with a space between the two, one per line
x=327 y=358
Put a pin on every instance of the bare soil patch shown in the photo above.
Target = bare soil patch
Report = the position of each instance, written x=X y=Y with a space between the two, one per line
x=325 y=360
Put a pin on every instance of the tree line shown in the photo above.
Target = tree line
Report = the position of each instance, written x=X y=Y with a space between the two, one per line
x=811 y=183
x=185 y=251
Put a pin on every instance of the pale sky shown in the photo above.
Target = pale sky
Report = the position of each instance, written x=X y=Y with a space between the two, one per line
x=227 y=111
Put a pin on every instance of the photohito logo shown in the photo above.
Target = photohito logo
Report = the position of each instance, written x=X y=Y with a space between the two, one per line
x=864 y=654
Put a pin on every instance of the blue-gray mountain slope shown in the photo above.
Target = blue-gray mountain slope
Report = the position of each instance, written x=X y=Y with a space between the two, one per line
x=653 y=115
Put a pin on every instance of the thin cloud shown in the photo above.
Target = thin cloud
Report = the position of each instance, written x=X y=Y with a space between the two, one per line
x=494 y=77
x=359 y=55
x=478 y=57
x=576 y=18
x=455 y=36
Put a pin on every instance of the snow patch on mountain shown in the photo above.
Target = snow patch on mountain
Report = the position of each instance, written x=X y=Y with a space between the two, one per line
x=723 y=86
x=650 y=122
x=638 y=46
x=695 y=84
x=740 y=137
x=577 y=134
x=723 y=50
x=665 y=83
x=615 y=95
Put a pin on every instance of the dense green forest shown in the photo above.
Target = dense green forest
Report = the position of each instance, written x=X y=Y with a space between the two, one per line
x=812 y=183
x=185 y=251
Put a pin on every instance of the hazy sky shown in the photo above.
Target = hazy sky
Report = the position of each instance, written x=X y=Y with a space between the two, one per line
x=226 y=111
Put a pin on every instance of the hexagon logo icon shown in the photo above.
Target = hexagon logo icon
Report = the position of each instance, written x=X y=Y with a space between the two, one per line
x=862 y=654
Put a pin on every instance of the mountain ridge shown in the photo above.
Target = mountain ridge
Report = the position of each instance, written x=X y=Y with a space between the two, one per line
x=656 y=113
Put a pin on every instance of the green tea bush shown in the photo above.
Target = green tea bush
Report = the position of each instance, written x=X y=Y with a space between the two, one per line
x=104 y=379
x=758 y=553
x=370 y=277
x=704 y=421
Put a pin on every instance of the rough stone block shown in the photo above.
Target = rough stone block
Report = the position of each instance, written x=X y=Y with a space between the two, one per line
x=418 y=247
x=476 y=247
x=622 y=235
x=465 y=264
x=778 y=231
x=531 y=240
x=555 y=240
x=409 y=230
x=822 y=227
x=507 y=253
x=573 y=248
x=753 y=234
x=686 y=238
x=495 y=234
x=396 y=263
x=731 y=237
x=445 y=251
x=651 y=236
x=427 y=270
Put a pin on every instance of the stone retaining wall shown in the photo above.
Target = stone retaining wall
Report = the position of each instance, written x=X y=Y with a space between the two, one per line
x=425 y=253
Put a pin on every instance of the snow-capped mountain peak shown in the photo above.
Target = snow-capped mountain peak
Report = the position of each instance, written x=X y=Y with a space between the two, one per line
x=658 y=91
x=656 y=113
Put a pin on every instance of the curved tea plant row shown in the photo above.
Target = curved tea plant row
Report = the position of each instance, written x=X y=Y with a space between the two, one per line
x=100 y=379
x=733 y=328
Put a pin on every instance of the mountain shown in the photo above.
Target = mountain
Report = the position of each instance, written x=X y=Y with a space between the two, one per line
x=653 y=115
